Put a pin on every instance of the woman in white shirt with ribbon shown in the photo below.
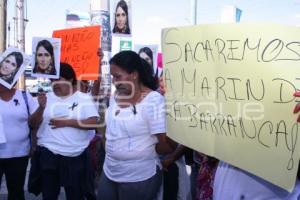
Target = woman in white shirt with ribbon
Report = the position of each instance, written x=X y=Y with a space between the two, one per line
x=135 y=133
x=64 y=118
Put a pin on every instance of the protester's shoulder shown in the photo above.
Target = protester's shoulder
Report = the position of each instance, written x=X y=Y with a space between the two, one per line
x=28 y=94
x=50 y=95
x=154 y=96
x=83 y=96
x=23 y=92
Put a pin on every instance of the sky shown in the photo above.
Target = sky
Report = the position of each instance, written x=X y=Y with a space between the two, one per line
x=150 y=16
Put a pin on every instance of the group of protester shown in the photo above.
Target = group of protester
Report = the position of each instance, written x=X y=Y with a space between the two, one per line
x=141 y=162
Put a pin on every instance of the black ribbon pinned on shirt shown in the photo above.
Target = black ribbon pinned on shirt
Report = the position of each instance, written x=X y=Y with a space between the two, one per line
x=73 y=106
x=134 y=110
x=16 y=101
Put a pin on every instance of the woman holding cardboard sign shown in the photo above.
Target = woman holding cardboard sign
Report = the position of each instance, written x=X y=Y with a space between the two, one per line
x=236 y=184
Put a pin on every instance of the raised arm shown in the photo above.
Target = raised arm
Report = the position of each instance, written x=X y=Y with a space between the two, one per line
x=37 y=117
x=96 y=85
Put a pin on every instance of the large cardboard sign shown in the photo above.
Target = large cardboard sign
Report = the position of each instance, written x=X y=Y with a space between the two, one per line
x=79 y=49
x=230 y=95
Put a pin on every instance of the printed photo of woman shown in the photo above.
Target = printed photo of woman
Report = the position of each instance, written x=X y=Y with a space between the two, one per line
x=12 y=64
x=46 y=56
x=121 y=18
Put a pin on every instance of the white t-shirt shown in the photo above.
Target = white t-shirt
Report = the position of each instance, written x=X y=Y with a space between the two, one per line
x=66 y=141
x=131 y=139
x=235 y=184
x=14 y=116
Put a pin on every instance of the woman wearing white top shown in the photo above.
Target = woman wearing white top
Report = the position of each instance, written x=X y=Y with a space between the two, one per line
x=236 y=184
x=135 y=132
x=63 y=118
x=15 y=142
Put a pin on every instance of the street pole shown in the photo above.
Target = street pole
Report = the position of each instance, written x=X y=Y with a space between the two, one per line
x=20 y=32
x=99 y=10
x=3 y=13
x=194 y=12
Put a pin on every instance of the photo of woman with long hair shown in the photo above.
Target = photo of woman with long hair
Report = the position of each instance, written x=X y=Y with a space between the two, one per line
x=121 y=23
x=44 y=58
x=10 y=65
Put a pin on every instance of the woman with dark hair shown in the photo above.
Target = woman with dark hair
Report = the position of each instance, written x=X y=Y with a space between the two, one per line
x=63 y=119
x=10 y=66
x=44 y=58
x=147 y=54
x=121 y=18
x=135 y=132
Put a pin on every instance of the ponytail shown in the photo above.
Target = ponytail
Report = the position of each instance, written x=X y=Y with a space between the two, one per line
x=147 y=76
